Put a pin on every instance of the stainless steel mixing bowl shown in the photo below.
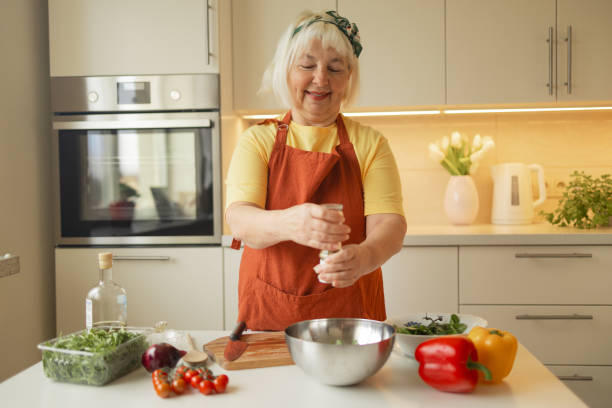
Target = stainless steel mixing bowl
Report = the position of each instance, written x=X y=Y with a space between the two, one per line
x=340 y=351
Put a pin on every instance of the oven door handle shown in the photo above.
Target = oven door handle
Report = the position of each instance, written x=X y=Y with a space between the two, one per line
x=133 y=124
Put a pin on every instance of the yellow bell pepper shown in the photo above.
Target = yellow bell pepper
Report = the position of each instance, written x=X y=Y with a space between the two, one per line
x=496 y=351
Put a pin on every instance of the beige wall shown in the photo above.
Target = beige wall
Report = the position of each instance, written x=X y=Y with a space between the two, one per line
x=27 y=302
x=560 y=141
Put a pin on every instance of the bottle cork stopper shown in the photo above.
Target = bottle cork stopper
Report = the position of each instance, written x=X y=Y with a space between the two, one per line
x=105 y=260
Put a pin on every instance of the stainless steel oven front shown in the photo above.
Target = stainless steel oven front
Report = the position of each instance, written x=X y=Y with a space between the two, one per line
x=137 y=160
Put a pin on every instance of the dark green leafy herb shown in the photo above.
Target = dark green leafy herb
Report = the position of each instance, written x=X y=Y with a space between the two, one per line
x=434 y=327
x=93 y=357
x=586 y=202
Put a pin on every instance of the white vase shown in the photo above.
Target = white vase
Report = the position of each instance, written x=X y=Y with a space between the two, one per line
x=461 y=200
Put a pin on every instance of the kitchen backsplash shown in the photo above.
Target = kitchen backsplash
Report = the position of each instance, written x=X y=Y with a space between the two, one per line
x=560 y=141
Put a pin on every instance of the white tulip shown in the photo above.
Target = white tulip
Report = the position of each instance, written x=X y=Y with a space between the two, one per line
x=487 y=143
x=435 y=153
x=477 y=155
x=476 y=143
x=456 y=139
x=444 y=144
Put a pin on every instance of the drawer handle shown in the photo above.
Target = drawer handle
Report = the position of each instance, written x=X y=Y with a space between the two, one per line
x=140 y=258
x=554 y=256
x=554 y=317
x=575 y=377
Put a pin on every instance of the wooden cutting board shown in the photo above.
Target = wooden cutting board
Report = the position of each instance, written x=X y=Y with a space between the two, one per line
x=265 y=350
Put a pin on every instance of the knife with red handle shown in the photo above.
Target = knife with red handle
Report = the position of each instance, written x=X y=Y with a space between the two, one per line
x=235 y=347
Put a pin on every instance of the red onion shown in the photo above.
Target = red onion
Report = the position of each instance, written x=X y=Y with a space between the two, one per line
x=161 y=355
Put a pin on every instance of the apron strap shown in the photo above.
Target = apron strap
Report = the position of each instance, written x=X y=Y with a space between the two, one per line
x=281 y=131
x=342 y=133
x=280 y=140
x=236 y=243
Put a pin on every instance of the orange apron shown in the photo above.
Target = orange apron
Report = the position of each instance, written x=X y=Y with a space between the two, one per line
x=277 y=285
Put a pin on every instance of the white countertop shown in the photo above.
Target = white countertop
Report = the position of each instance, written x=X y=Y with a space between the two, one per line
x=397 y=384
x=490 y=234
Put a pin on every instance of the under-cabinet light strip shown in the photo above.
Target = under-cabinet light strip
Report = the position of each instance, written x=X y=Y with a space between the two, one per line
x=359 y=114
x=398 y=113
x=270 y=116
x=509 y=110
x=450 y=111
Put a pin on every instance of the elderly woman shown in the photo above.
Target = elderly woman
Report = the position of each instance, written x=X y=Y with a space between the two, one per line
x=284 y=169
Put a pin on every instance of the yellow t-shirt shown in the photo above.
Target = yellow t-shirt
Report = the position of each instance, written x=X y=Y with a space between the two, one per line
x=247 y=178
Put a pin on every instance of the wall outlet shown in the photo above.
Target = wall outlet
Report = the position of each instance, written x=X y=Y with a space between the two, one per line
x=555 y=187
x=9 y=265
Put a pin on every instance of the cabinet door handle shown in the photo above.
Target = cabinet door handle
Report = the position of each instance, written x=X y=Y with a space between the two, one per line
x=568 y=39
x=208 y=32
x=574 y=316
x=575 y=377
x=549 y=40
x=552 y=255
x=140 y=258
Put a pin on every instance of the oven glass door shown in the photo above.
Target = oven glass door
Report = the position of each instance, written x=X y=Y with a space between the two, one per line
x=138 y=182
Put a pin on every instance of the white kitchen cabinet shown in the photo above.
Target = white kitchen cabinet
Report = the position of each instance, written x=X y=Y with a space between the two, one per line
x=553 y=275
x=402 y=62
x=519 y=51
x=421 y=279
x=257 y=28
x=181 y=285
x=554 y=299
x=401 y=65
x=497 y=51
x=555 y=334
x=231 y=269
x=590 y=60
x=136 y=37
x=593 y=384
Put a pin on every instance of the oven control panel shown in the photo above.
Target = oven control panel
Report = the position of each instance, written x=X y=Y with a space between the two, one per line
x=135 y=93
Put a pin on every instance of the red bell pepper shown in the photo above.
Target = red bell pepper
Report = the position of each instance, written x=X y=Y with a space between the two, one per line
x=449 y=363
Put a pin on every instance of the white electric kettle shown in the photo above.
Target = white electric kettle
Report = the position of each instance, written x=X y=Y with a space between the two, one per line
x=512 y=193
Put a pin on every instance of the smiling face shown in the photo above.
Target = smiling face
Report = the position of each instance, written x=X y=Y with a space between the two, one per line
x=317 y=83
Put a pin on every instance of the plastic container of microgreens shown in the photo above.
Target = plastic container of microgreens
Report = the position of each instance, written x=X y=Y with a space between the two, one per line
x=96 y=356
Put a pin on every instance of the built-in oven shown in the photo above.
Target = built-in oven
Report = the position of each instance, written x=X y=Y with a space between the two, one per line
x=137 y=160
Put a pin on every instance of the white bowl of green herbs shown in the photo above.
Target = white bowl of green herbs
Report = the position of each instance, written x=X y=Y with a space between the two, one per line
x=414 y=328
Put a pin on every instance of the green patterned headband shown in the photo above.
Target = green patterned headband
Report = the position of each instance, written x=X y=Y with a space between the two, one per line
x=349 y=30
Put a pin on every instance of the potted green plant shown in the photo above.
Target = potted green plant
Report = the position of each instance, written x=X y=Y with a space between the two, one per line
x=586 y=203
x=123 y=209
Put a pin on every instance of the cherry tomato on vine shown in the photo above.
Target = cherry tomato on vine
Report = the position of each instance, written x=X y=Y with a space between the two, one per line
x=220 y=384
x=159 y=373
x=196 y=380
x=179 y=386
x=163 y=389
x=206 y=387
x=190 y=373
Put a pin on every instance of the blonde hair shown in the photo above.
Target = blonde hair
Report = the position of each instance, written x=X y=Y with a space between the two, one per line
x=291 y=45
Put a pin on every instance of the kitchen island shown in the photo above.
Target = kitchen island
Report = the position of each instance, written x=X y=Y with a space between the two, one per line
x=397 y=384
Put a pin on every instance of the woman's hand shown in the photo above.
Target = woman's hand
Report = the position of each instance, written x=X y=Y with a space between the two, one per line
x=384 y=237
x=307 y=224
x=344 y=268
x=315 y=226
